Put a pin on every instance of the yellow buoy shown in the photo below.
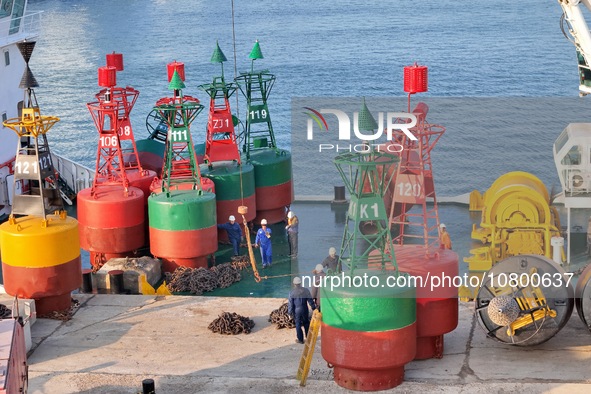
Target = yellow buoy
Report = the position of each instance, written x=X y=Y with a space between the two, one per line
x=41 y=260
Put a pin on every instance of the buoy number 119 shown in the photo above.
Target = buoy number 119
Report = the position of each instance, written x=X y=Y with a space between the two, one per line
x=258 y=114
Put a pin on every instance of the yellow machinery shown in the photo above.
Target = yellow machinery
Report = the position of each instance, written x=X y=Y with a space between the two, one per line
x=517 y=219
x=524 y=300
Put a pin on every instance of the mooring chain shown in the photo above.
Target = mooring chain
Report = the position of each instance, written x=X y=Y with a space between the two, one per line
x=281 y=318
x=231 y=324
x=199 y=280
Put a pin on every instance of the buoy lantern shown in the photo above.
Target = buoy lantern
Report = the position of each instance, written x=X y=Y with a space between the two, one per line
x=415 y=79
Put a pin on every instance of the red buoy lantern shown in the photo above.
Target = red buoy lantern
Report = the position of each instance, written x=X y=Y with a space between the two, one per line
x=107 y=76
x=415 y=79
x=115 y=60
x=179 y=67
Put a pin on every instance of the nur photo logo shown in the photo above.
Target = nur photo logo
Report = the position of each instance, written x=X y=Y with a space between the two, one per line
x=345 y=129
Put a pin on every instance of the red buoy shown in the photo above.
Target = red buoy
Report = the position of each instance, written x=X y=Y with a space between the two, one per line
x=437 y=296
x=179 y=67
x=107 y=76
x=415 y=79
x=115 y=60
x=111 y=222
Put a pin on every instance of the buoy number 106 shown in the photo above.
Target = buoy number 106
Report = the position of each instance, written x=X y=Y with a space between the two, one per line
x=409 y=189
x=108 y=141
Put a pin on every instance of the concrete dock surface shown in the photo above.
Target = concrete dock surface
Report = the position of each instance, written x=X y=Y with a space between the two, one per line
x=113 y=342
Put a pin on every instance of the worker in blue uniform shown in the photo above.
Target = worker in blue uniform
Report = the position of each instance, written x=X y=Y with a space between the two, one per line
x=234 y=233
x=263 y=241
x=299 y=299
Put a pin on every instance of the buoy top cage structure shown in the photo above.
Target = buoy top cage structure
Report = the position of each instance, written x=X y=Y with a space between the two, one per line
x=33 y=161
x=366 y=176
x=220 y=142
x=110 y=113
x=178 y=112
x=256 y=87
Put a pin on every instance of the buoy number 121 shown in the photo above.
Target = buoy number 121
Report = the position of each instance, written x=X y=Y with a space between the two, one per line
x=23 y=167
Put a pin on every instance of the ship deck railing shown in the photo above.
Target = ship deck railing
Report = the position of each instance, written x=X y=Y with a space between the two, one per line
x=28 y=28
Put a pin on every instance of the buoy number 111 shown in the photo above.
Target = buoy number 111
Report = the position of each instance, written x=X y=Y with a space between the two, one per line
x=179 y=135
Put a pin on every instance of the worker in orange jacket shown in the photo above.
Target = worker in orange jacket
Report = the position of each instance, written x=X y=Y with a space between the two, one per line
x=444 y=239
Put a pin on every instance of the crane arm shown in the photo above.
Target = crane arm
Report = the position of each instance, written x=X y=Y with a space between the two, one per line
x=578 y=33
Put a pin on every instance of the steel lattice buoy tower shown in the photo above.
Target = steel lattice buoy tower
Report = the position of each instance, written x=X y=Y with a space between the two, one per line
x=414 y=214
x=183 y=226
x=368 y=331
x=127 y=96
x=220 y=140
x=272 y=166
x=111 y=212
x=233 y=178
x=40 y=251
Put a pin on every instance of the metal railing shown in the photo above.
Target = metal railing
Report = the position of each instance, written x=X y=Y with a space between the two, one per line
x=18 y=29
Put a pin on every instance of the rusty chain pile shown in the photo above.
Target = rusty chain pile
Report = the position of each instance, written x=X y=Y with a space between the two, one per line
x=231 y=324
x=281 y=317
x=240 y=262
x=226 y=275
x=199 y=280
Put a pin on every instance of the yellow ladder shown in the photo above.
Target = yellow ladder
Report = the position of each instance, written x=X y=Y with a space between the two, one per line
x=309 y=345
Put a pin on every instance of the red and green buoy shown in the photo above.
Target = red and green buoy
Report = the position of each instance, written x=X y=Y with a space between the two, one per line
x=233 y=177
x=183 y=227
x=272 y=165
x=369 y=327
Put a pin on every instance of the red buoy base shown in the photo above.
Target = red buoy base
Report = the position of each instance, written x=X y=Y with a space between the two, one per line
x=375 y=380
x=57 y=303
x=429 y=347
x=368 y=361
x=50 y=287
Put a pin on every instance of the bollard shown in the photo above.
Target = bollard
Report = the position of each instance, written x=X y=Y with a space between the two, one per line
x=87 y=281
x=557 y=244
x=148 y=386
x=116 y=281
x=339 y=195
